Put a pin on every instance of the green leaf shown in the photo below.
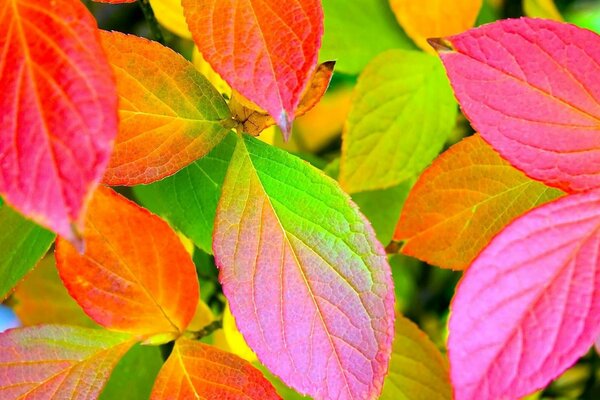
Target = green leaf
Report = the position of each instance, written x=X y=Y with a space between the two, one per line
x=402 y=113
x=134 y=375
x=417 y=369
x=188 y=199
x=22 y=245
x=358 y=30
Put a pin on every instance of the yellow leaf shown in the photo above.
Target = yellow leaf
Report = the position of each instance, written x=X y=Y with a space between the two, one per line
x=234 y=338
x=541 y=9
x=435 y=18
x=170 y=14
x=203 y=317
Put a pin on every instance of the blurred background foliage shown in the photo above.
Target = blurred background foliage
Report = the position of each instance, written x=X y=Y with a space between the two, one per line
x=423 y=292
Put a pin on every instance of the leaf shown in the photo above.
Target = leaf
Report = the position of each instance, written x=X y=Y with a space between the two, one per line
x=417 y=369
x=42 y=299
x=292 y=281
x=205 y=69
x=358 y=30
x=266 y=50
x=390 y=134
x=188 y=199
x=22 y=245
x=435 y=18
x=170 y=14
x=541 y=9
x=251 y=119
x=134 y=375
x=58 y=362
x=59 y=110
x=462 y=201
x=197 y=370
x=170 y=114
x=135 y=275
x=234 y=338
x=532 y=299
x=546 y=63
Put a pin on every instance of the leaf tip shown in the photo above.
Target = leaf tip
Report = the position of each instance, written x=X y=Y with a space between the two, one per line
x=285 y=123
x=441 y=45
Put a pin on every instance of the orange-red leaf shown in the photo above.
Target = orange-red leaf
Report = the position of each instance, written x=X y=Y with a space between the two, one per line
x=135 y=275
x=265 y=49
x=58 y=105
x=199 y=371
x=170 y=114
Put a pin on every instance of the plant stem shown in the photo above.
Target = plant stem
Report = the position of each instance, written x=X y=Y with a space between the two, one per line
x=207 y=330
x=151 y=20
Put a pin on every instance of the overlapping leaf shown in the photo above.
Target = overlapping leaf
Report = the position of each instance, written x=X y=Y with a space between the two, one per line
x=59 y=108
x=58 y=362
x=312 y=295
x=390 y=134
x=529 y=86
x=188 y=199
x=462 y=201
x=417 y=369
x=170 y=14
x=135 y=275
x=170 y=114
x=435 y=18
x=266 y=50
x=22 y=245
x=195 y=370
x=533 y=299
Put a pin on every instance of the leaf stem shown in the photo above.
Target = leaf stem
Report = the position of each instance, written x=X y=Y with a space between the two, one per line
x=151 y=20
x=207 y=330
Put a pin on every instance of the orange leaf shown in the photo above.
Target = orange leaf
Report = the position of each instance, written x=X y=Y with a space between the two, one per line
x=135 y=275
x=195 y=370
x=463 y=200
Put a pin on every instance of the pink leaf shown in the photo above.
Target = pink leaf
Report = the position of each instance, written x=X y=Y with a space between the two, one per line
x=58 y=107
x=531 y=87
x=529 y=306
x=265 y=49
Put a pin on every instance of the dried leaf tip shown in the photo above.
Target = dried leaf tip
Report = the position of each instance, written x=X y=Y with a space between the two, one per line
x=441 y=45
x=285 y=123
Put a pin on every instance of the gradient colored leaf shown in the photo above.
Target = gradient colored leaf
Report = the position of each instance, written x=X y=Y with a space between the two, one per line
x=188 y=199
x=170 y=114
x=435 y=18
x=134 y=375
x=43 y=299
x=252 y=120
x=462 y=201
x=58 y=362
x=541 y=9
x=293 y=281
x=135 y=275
x=265 y=49
x=22 y=245
x=196 y=370
x=391 y=134
x=59 y=110
x=170 y=14
x=358 y=30
x=417 y=369
x=535 y=62
x=532 y=297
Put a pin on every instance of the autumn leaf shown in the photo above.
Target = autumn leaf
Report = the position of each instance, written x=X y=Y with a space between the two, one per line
x=462 y=201
x=188 y=199
x=58 y=362
x=170 y=14
x=22 y=245
x=269 y=41
x=59 y=110
x=297 y=259
x=548 y=64
x=135 y=275
x=390 y=135
x=532 y=298
x=196 y=370
x=170 y=114
x=435 y=18
x=417 y=369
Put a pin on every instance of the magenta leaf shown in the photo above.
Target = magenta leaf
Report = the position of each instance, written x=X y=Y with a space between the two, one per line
x=529 y=306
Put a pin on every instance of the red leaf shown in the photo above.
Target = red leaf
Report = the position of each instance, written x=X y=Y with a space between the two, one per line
x=529 y=306
x=265 y=49
x=58 y=107
x=531 y=87
x=135 y=275
x=195 y=370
